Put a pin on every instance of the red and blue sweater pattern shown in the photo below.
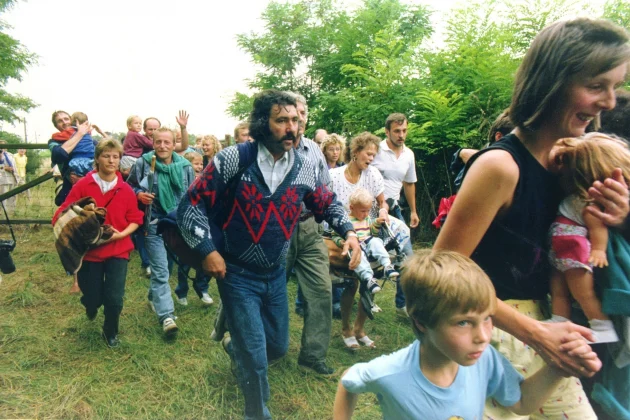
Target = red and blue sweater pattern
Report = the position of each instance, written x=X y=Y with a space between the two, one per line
x=255 y=226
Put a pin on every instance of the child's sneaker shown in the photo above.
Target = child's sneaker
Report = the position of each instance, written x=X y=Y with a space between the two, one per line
x=206 y=299
x=373 y=286
x=183 y=301
x=390 y=272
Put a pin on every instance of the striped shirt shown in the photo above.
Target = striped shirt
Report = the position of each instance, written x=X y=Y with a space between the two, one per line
x=273 y=171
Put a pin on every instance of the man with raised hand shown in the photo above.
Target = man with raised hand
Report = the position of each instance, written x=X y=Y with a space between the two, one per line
x=239 y=215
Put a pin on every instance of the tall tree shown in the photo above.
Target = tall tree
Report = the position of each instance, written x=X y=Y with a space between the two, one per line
x=311 y=46
x=15 y=59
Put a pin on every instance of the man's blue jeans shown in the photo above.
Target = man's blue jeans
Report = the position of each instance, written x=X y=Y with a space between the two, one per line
x=408 y=250
x=160 y=290
x=256 y=308
x=138 y=238
x=400 y=296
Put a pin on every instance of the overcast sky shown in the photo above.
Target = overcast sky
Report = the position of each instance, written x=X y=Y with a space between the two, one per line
x=112 y=59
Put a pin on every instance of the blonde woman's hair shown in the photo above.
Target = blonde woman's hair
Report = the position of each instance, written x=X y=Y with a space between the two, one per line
x=591 y=158
x=361 y=196
x=334 y=140
x=359 y=143
x=107 y=144
x=216 y=144
x=439 y=284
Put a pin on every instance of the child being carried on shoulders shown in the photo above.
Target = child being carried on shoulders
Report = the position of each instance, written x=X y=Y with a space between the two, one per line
x=367 y=229
x=82 y=156
x=450 y=370
x=136 y=144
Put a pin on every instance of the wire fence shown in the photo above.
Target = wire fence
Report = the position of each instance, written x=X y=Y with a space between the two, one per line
x=32 y=201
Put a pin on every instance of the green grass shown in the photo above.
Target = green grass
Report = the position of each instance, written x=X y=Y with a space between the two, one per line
x=54 y=364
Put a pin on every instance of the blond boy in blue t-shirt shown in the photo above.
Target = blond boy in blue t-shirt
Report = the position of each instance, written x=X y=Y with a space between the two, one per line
x=450 y=370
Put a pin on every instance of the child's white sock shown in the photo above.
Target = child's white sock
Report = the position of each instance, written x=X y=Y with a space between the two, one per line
x=556 y=318
x=604 y=330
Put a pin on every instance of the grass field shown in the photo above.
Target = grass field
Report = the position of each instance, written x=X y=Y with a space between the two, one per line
x=54 y=364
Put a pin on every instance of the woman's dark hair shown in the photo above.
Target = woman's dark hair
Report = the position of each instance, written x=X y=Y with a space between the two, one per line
x=559 y=54
x=263 y=102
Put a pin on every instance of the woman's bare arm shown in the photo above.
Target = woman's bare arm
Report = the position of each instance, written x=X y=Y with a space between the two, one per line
x=488 y=189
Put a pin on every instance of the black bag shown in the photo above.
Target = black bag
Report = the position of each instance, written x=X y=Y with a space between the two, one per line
x=176 y=246
x=6 y=247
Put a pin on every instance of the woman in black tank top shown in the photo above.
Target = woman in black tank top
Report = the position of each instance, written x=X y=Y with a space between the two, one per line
x=508 y=198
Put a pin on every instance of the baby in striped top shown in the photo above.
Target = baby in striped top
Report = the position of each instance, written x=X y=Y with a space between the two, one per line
x=367 y=229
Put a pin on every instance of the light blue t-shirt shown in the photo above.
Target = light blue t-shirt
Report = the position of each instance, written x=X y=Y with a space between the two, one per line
x=405 y=393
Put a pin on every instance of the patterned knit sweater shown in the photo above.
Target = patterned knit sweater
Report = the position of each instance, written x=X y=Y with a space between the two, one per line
x=255 y=226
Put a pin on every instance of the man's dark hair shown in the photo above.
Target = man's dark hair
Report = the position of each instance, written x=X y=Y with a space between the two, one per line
x=617 y=120
x=263 y=102
x=54 y=116
x=398 y=118
x=502 y=125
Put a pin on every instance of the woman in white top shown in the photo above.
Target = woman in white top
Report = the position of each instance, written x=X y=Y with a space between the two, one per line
x=344 y=180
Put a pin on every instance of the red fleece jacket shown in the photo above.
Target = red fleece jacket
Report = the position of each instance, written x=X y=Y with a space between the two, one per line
x=121 y=211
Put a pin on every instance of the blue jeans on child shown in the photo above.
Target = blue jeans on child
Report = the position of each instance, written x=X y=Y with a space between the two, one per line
x=256 y=308
x=374 y=248
x=200 y=283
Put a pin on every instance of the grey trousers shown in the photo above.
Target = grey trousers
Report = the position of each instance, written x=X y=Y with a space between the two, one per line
x=309 y=256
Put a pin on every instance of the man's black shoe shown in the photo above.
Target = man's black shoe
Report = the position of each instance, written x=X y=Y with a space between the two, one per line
x=319 y=367
x=91 y=314
x=112 y=342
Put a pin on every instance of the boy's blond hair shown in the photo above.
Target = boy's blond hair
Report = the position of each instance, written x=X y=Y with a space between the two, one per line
x=438 y=284
x=130 y=120
x=78 y=118
x=191 y=156
x=591 y=158
x=360 y=196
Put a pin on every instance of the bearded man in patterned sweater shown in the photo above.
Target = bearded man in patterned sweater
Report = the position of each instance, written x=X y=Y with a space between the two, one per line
x=240 y=215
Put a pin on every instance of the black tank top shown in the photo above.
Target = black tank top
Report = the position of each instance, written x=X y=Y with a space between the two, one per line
x=513 y=252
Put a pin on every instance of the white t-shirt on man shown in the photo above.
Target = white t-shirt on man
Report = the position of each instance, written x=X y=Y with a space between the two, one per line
x=395 y=170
